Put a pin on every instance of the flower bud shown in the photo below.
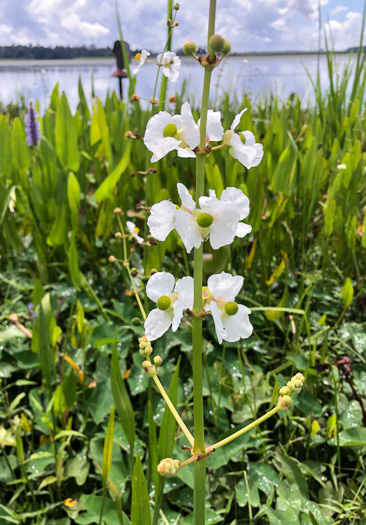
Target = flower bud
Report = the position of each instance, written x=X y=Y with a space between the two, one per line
x=149 y=368
x=189 y=47
x=157 y=360
x=216 y=43
x=176 y=7
x=227 y=47
x=153 y=100
x=118 y=234
x=284 y=402
x=136 y=321
x=128 y=134
x=135 y=98
x=172 y=99
x=285 y=391
x=145 y=347
x=291 y=385
x=111 y=258
x=117 y=210
x=168 y=467
x=299 y=376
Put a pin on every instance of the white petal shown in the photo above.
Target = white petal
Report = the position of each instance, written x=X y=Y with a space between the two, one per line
x=144 y=55
x=238 y=326
x=186 y=153
x=159 y=284
x=238 y=200
x=249 y=138
x=249 y=156
x=157 y=323
x=237 y=119
x=154 y=139
x=161 y=219
x=185 y=197
x=225 y=286
x=190 y=133
x=219 y=327
x=225 y=221
x=185 y=289
x=131 y=226
x=243 y=230
x=188 y=230
x=214 y=128
x=138 y=238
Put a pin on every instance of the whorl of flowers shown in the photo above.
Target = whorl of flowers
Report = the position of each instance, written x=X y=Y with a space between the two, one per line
x=32 y=126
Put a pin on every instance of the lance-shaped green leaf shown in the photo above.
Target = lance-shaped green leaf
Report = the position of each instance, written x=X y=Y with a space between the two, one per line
x=73 y=197
x=347 y=293
x=122 y=400
x=74 y=264
x=105 y=190
x=5 y=150
x=66 y=138
x=20 y=150
x=168 y=424
x=108 y=448
x=140 y=507
x=45 y=350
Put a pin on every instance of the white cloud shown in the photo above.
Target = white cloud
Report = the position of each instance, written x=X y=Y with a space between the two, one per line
x=279 y=24
x=347 y=33
x=338 y=9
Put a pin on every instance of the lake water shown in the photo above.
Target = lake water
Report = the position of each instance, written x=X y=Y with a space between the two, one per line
x=257 y=76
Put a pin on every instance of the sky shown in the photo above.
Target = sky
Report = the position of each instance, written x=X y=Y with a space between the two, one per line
x=250 y=25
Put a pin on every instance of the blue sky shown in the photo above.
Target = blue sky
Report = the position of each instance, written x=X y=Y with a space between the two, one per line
x=250 y=25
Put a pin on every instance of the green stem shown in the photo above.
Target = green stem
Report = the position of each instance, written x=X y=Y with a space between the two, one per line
x=168 y=47
x=197 y=339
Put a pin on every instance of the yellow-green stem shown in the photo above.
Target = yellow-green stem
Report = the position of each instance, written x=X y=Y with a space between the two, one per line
x=172 y=409
x=197 y=339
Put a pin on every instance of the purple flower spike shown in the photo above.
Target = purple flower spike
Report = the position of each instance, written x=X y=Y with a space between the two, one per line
x=32 y=126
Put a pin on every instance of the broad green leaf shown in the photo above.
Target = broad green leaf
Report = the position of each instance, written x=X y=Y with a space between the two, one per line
x=351 y=437
x=66 y=138
x=93 y=505
x=58 y=233
x=122 y=400
x=78 y=468
x=329 y=215
x=5 y=149
x=45 y=350
x=99 y=131
x=140 y=505
x=332 y=426
x=105 y=190
x=20 y=150
x=108 y=448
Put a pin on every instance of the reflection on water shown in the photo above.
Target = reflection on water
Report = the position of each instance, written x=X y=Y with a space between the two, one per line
x=257 y=76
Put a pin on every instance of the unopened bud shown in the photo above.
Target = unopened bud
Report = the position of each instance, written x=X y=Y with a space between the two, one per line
x=227 y=48
x=291 y=385
x=153 y=270
x=134 y=272
x=299 y=376
x=136 y=321
x=284 y=402
x=153 y=100
x=168 y=22
x=176 y=7
x=149 y=368
x=285 y=391
x=118 y=234
x=111 y=258
x=298 y=386
x=172 y=99
x=117 y=210
x=189 y=47
x=168 y=467
x=128 y=134
x=157 y=360
x=216 y=43
x=135 y=97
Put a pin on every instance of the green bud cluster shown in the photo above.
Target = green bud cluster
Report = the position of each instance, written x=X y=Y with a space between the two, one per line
x=217 y=44
x=145 y=347
x=168 y=467
x=293 y=387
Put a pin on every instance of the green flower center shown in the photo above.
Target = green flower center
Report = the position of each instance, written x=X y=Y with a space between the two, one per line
x=170 y=130
x=204 y=220
x=163 y=302
x=231 y=308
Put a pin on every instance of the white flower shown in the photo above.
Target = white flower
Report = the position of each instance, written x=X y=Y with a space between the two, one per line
x=231 y=319
x=342 y=166
x=217 y=218
x=132 y=228
x=170 y=63
x=165 y=133
x=141 y=58
x=249 y=154
x=171 y=301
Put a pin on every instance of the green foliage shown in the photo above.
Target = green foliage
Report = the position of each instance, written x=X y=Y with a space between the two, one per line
x=304 y=266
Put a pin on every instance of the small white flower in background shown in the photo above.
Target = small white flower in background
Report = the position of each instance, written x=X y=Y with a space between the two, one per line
x=132 y=228
x=217 y=218
x=342 y=167
x=249 y=154
x=165 y=133
x=170 y=63
x=231 y=319
x=171 y=300
x=141 y=59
